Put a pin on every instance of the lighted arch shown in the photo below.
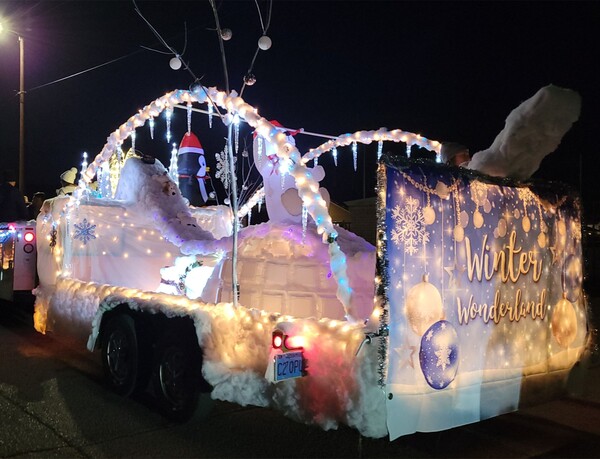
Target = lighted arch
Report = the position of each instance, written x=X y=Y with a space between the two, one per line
x=308 y=188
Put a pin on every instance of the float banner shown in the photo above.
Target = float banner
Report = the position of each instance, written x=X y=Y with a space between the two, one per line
x=484 y=292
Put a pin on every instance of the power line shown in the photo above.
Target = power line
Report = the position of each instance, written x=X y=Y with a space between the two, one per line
x=84 y=71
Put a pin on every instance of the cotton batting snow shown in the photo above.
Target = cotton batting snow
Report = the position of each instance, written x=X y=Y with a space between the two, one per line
x=532 y=131
x=284 y=277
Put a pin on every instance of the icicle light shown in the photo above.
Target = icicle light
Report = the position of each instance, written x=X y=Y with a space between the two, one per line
x=104 y=181
x=84 y=163
x=236 y=132
x=173 y=171
x=151 y=126
x=189 y=117
x=168 y=115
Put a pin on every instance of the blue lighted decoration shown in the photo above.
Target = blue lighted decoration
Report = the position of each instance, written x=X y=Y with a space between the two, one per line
x=84 y=231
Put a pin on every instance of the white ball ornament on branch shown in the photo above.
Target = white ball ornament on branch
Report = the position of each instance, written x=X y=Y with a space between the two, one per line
x=175 y=63
x=226 y=34
x=264 y=43
x=249 y=79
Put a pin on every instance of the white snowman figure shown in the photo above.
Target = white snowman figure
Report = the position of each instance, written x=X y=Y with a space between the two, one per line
x=284 y=205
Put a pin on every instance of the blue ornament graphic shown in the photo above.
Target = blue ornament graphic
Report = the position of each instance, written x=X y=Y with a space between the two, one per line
x=439 y=354
x=84 y=231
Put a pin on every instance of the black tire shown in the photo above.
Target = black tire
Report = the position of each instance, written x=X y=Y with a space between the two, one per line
x=120 y=356
x=177 y=376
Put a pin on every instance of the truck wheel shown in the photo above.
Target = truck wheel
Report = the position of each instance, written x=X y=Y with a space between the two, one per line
x=177 y=378
x=120 y=354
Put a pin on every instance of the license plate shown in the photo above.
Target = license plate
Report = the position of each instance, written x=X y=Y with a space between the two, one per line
x=288 y=366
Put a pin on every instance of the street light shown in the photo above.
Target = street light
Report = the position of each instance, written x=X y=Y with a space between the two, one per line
x=21 y=105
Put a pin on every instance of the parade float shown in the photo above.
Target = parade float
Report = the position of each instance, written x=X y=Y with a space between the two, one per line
x=470 y=304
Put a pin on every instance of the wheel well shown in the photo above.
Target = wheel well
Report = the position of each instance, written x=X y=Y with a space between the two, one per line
x=152 y=327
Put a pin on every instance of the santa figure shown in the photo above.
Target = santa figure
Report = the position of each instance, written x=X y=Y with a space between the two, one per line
x=191 y=167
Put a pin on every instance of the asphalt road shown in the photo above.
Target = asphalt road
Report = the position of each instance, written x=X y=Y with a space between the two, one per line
x=53 y=404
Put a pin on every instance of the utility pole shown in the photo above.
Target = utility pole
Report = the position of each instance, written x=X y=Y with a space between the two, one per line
x=22 y=115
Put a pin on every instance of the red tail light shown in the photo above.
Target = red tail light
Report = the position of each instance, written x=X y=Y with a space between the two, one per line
x=285 y=342
x=294 y=342
x=277 y=340
x=29 y=236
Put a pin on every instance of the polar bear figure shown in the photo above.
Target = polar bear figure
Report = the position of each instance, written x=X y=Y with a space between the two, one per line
x=284 y=204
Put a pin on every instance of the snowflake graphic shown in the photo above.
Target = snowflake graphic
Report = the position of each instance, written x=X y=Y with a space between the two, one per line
x=223 y=168
x=409 y=226
x=443 y=355
x=84 y=231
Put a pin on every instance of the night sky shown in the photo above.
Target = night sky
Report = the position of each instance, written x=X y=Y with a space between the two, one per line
x=447 y=70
